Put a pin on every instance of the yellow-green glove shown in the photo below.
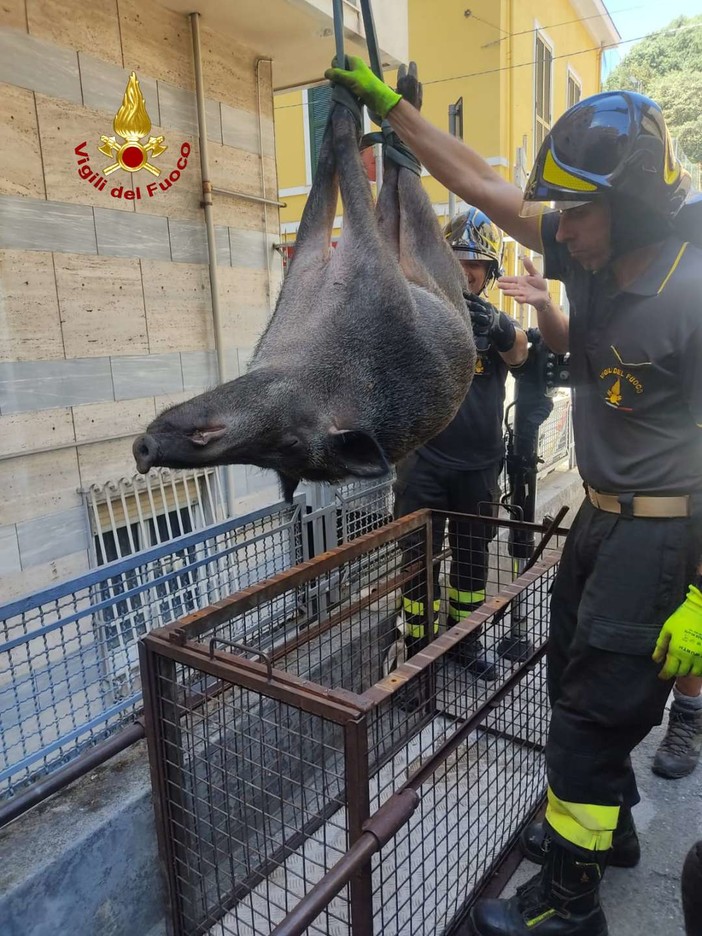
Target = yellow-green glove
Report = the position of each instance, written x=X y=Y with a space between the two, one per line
x=680 y=640
x=375 y=94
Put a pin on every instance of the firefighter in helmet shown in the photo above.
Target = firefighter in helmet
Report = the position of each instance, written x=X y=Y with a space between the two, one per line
x=458 y=470
x=602 y=205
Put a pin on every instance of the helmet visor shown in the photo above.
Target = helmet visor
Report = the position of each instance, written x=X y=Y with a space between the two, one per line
x=534 y=209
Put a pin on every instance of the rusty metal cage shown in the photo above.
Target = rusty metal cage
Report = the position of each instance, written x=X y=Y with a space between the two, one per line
x=277 y=736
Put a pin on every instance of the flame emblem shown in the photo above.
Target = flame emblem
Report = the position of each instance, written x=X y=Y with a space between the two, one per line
x=614 y=394
x=132 y=123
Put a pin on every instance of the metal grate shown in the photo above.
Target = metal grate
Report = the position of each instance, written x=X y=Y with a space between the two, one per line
x=68 y=655
x=274 y=735
x=556 y=435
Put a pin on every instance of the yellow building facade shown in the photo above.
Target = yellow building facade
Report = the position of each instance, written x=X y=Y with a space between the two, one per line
x=517 y=65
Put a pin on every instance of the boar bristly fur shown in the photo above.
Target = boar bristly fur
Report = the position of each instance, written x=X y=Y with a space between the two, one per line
x=368 y=354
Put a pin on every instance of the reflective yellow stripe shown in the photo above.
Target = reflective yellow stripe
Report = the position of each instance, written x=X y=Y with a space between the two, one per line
x=467 y=597
x=583 y=824
x=417 y=607
x=458 y=614
x=417 y=630
x=673 y=268
x=540 y=919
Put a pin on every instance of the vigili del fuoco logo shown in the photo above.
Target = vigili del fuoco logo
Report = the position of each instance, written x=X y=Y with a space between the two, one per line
x=131 y=125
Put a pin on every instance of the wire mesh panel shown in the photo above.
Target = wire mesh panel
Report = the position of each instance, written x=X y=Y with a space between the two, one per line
x=68 y=655
x=478 y=767
x=277 y=728
x=255 y=792
x=555 y=436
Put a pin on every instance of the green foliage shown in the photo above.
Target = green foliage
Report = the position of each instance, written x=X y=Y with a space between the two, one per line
x=667 y=66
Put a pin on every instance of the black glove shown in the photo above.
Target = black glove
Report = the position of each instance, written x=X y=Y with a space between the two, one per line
x=489 y=325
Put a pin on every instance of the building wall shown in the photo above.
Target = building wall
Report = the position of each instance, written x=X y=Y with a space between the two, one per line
x=105 y=305
x=487 y=58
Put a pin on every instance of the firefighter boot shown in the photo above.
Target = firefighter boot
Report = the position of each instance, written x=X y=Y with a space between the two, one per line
x=515 y=647
x=469 y=652
x=679 y=751
x=562 y=900
x=624 y=853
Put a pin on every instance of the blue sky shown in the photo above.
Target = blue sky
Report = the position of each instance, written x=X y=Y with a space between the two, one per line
x=634 y=18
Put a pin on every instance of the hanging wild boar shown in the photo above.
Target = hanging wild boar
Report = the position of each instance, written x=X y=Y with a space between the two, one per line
x=369 y=351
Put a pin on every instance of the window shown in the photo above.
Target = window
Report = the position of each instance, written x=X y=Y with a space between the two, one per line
x=542 y=92
x=574 y=90
x=125 y=621
x=318 y=100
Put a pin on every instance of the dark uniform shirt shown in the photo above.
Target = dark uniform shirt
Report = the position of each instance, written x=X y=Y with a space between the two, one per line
x=636 y=369
x=473 y=440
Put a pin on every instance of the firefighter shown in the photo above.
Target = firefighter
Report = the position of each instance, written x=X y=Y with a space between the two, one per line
x=626 y=607
x=679 y=751
x=458 y=470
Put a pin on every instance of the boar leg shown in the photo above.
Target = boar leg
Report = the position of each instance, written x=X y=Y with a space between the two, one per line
x=387 y=210
x=314 y=233
x=359 y=211
x=425 y=257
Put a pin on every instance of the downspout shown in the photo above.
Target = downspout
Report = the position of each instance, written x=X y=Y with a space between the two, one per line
x=206 y=204
x=264 y=199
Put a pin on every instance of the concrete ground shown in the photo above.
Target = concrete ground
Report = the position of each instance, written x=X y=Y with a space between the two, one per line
x=645 y=901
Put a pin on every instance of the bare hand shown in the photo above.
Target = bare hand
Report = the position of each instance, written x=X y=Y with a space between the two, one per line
x=531 y=289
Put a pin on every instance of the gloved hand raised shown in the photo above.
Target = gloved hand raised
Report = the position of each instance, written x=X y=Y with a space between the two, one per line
x=378 y=97
x=680 y=640
x=489 y=323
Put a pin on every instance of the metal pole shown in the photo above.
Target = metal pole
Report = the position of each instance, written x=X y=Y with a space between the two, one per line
x=452 y=131
x=210 y=229
x=93 y=757
x=338 y=10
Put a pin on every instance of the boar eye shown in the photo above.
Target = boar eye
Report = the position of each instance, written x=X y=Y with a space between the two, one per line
x=290 y=444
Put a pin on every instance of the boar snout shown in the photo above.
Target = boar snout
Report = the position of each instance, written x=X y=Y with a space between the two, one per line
x=145 y=451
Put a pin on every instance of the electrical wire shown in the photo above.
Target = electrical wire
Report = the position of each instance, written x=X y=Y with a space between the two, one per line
x=501 y=68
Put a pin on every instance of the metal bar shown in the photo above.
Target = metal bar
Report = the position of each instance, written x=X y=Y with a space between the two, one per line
x=253 y=198
x=495 y=879
x=338 y=12
x=83 y=764
x=71 y=735
x=358 y=810
x=310 y=633
x=147 y=664
x=337 y=705
x=420 y=661
x=119 y=566
x=435 y=760
x=289 y=579
x=272 y=863
x=371 y=39
x=378 y=831
x=246 y=649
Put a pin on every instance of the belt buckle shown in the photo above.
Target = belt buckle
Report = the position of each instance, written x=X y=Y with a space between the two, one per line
x=626 y=505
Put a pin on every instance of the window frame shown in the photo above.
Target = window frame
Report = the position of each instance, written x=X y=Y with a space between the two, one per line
x=539 y=122
x=573 y=77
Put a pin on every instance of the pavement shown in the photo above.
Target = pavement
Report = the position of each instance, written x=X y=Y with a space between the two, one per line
x=645 y=901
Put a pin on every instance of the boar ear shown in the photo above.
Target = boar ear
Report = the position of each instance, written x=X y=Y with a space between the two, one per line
x=359 y=452
x=203 y=436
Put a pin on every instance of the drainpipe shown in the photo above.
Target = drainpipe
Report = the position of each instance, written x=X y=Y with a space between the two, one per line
x=264 y=199
x=210 y=230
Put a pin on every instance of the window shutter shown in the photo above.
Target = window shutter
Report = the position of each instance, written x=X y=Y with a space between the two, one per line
x=318 y=100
